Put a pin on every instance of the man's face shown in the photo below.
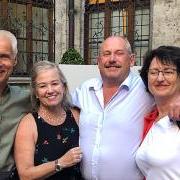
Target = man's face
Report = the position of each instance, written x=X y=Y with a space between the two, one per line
x=7 y=60
x=115 y=61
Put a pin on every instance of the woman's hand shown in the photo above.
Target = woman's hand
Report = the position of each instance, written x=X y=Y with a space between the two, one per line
x=72 y=157
x=174 y=111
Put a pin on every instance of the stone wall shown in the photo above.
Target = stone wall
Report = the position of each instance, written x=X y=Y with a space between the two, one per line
x=165 y=22
x=62 y=27
x=165 y=25
x=79 y=25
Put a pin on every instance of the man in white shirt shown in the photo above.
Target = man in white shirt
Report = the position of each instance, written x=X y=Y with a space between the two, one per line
x=111 y=118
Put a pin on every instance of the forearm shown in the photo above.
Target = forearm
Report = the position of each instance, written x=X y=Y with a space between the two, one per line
x=45 y=170
x=37 y=172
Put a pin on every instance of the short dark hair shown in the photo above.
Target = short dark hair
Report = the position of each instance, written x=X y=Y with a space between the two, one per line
x=166 y=55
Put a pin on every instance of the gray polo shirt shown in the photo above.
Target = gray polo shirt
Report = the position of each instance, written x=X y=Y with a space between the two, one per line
x=14 y=104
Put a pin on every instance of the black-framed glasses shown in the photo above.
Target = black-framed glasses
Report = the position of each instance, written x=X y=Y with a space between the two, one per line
x=167 y=73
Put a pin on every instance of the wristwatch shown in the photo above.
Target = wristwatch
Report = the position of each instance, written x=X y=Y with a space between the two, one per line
x=58 y=167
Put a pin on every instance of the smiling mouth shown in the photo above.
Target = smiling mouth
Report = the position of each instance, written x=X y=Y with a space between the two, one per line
x=113 y=67
x=51 y=97
x=1 y=71
x=161 y=86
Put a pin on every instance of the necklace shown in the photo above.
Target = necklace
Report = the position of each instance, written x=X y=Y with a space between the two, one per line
x=53 y=118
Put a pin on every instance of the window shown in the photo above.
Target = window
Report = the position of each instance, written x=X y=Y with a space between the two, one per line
x=130 y=18
x=32 y=22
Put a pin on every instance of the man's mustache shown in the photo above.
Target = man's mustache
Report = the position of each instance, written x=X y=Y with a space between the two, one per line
x=113 y=65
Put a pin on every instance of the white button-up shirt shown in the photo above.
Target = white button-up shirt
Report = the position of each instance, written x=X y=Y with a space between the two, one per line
x=110 y=135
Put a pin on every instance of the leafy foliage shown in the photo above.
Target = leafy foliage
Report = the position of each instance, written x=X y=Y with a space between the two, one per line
x=71 y=56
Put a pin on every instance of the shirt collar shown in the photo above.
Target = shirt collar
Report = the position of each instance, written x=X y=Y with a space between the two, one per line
x=127 y=83
x=98 y=83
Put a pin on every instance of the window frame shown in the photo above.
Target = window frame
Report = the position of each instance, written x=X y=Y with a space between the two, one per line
x=50 y=6
x=108 y=6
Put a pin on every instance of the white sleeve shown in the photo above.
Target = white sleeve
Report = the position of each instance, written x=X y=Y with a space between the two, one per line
x=75 y=95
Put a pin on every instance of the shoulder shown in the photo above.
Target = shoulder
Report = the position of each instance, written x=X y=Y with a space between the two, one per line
x=135 y=77
x=26 y=134
x=21 y=97
x=138 y=92
x=88 y=85
x=28 y=119
x=76 y=113
x=20 y=91
x=135 y=82
x=27 y=124
x=82 y=92
x=91 y=83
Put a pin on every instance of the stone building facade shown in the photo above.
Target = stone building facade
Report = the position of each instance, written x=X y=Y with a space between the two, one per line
x=164 y=25
x=160 y=19
x=61 y=27
x=165 y=22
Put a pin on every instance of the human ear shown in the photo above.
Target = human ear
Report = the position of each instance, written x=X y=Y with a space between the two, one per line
x=132 y=60
x=15 y=61
x=98 y=60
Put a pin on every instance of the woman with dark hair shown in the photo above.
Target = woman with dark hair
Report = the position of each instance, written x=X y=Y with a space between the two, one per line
x=158 y=156
x=46 y=144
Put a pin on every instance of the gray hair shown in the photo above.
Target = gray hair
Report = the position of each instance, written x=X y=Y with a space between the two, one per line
x=45 y=65
x=11 y=37
x=127 y=44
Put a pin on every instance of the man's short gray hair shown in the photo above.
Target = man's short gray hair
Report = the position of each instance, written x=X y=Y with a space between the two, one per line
x=12 y=39
x=128 y=46
x=127 y=43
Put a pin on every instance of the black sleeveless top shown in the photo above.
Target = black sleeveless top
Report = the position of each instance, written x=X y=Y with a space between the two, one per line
x=54 y=141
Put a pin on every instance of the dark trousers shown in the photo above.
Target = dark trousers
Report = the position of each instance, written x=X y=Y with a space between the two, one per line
x=11 y=175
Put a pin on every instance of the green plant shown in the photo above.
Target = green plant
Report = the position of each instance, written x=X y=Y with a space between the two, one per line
x=71 y=56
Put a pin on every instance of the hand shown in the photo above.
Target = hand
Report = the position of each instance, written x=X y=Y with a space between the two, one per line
x=174 y=112
x=72 y=157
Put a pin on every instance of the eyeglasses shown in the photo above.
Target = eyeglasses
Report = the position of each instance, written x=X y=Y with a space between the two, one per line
x=167 y=73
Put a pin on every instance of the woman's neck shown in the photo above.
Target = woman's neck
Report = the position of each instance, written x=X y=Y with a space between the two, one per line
x=163 y=106
x=54 y=116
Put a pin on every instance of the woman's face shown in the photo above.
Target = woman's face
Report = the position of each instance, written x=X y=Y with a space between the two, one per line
x=163 y=80
x=49 y=88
